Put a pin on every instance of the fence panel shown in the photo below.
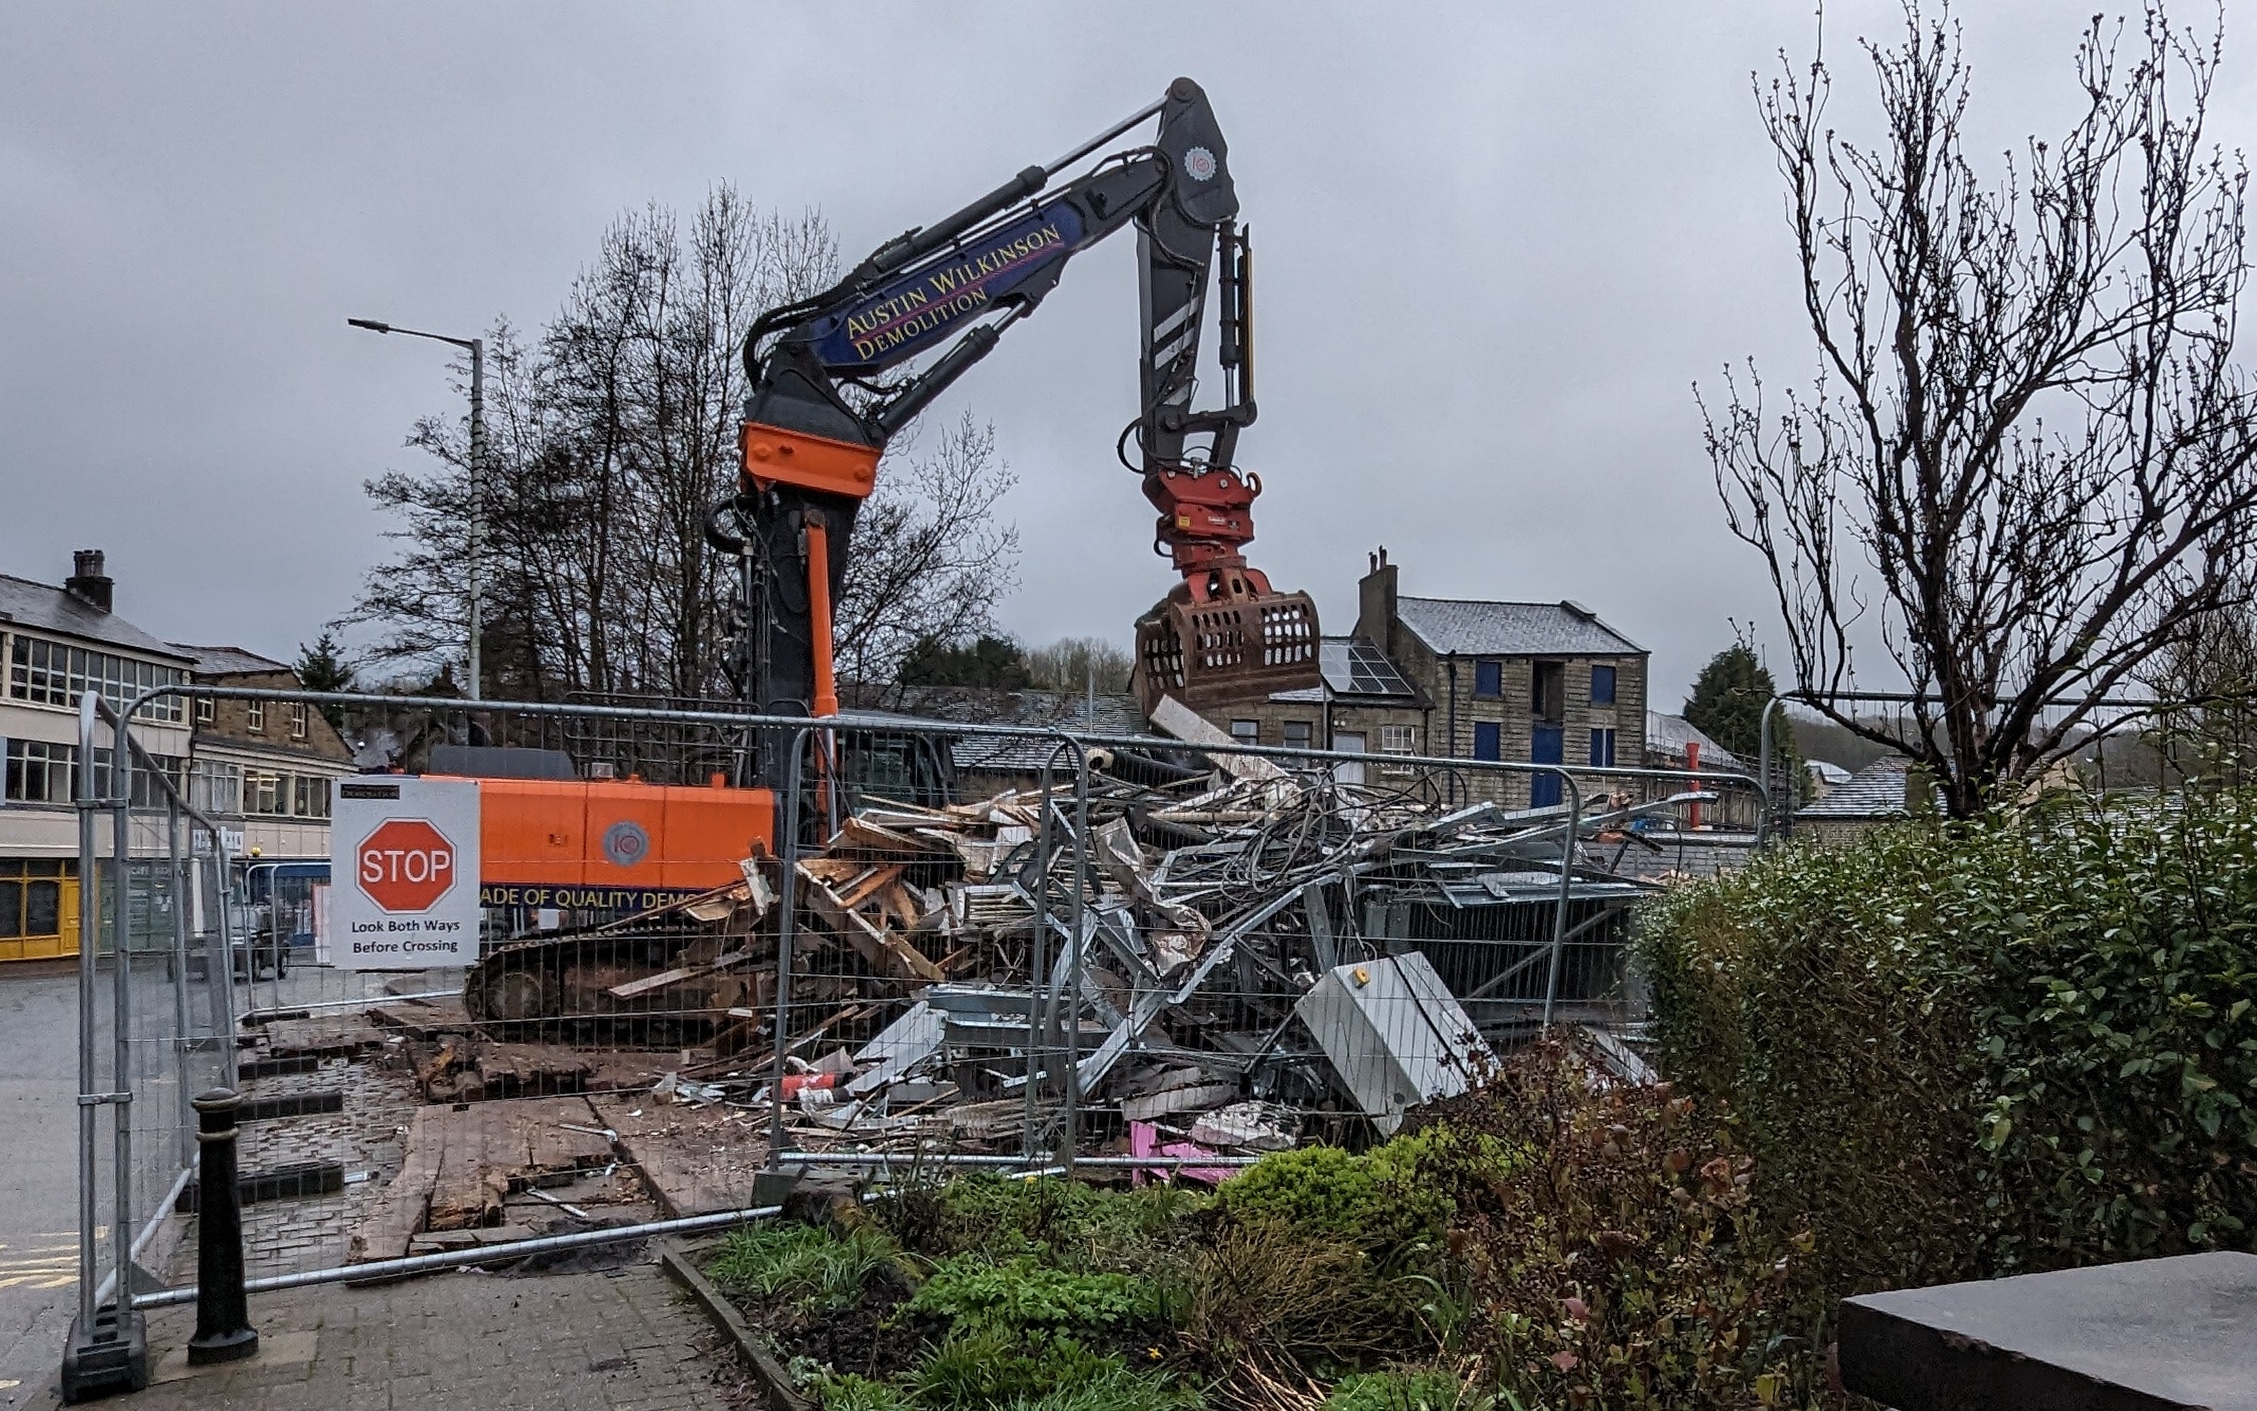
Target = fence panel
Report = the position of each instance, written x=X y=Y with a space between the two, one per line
x=1144 y=953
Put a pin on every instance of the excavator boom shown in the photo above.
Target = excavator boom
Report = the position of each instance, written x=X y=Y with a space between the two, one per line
x=821 y=411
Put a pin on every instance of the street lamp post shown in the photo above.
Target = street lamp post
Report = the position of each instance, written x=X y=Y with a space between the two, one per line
x=477 y=347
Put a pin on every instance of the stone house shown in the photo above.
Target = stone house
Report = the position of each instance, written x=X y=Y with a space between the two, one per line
x=1545 y=683
x=262 y=769
x=1362 y=706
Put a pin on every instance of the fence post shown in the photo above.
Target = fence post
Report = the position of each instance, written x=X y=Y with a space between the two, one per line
x=121 y=992
x=787 y=903
x=223 y=1314
x=1070 y=1140
x=176 y=882
x=1567 y=881
x=1038 y=1063
x=107 y=1349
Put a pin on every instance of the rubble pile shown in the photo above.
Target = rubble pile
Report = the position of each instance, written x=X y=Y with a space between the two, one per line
x=1229 y=955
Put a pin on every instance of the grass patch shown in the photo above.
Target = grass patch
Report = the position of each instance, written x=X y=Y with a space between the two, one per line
x=810 y=1268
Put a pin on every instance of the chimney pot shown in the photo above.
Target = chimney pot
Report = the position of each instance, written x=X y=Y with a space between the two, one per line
x=87 y=582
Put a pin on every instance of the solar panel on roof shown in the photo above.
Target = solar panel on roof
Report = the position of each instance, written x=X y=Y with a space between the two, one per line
x=1353 y=666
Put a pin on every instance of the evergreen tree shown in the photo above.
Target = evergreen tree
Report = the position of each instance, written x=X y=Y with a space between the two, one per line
x=992 y=662
x=322 y=668
x=1727 y=706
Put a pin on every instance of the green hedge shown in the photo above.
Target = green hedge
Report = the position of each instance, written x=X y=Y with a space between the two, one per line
x=1966 y=1050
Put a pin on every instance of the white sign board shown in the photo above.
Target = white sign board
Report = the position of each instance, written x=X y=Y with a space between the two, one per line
x=403 y=867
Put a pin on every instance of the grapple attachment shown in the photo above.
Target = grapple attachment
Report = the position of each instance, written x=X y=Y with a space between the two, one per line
x=1225 y=650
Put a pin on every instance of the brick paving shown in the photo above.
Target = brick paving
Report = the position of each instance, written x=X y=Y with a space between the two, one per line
x=613 y=1340
x=316 y=1232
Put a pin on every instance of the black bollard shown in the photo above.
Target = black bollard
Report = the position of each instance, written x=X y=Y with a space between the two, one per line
x=223 y=1311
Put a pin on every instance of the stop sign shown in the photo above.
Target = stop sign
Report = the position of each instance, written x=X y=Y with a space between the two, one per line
x=405 y=865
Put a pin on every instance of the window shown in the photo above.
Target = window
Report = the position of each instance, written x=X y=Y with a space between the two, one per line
x=31 y=897
x=1547 y=696
x=51 y=673
x=265 y=793
x=206 y=709
x=1298 y=734
x=216 y=787
x=254 y=715
x=147 y=791
x=1246 y=732
x=39 y=772
x=1488 y=741
x=1489 y=679
x=1602 y=685
x=297 y=720
x=309 y=796
x=1398 y=739
x=1602 y=749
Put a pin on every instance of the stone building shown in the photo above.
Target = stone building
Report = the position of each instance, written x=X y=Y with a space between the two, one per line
x=1545 y=683
x=1363 y=706
x=262 y=769
x=57 y=643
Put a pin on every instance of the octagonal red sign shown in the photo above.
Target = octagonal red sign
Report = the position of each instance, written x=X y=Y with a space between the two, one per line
x=405 y=865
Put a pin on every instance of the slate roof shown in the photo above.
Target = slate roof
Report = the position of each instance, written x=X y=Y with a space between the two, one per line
x=1116 y=714
x=1669 y=734
x=230 y=661
x=42 y=607
x=1876 y=791
x=1469 y=628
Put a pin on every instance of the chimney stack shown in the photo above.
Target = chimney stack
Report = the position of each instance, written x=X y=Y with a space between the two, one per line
x=87 y=582
x=1375 y=603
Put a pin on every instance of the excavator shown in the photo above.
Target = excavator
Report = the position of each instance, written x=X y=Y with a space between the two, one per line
x=822 y=411
x=834 y=378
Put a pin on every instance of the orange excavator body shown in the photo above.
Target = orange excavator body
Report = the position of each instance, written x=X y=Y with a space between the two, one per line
x=613 y=844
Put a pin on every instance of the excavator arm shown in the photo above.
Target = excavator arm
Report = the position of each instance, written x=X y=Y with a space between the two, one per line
x=836 y=376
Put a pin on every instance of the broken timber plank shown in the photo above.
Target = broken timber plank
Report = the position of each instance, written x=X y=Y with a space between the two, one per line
x=886 y=952
x=461 y=1163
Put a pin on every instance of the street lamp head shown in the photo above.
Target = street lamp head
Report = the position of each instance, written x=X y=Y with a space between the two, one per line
x=370 y=324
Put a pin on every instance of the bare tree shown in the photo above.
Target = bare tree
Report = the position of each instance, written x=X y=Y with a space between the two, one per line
x=929 y=559
x=2026 y=420
x=608 y=438
x=1070 y=663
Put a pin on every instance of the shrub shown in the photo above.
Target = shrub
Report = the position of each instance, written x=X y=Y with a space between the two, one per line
x=1410 y=1389
x=1978 y=1049
x=1023 y=1294
x=1380 y=1201
x=1058 y=1219
x=1265 y=1300
x=801 y=1264
x=1619 y=1261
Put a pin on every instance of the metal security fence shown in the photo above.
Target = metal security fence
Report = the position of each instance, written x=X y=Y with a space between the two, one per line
x=1145 y=955
x=156 y=1012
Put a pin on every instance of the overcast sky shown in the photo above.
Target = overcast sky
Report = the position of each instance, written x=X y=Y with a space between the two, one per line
x=1498 y=244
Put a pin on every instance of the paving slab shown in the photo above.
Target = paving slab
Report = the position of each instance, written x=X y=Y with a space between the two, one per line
x=620 y=1339
x=2148 y=1335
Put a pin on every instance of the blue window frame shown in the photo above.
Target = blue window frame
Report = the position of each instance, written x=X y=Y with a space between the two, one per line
x=1489 y=679
x=1487 y=742
x=1602 y=685
x=1602 y=749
